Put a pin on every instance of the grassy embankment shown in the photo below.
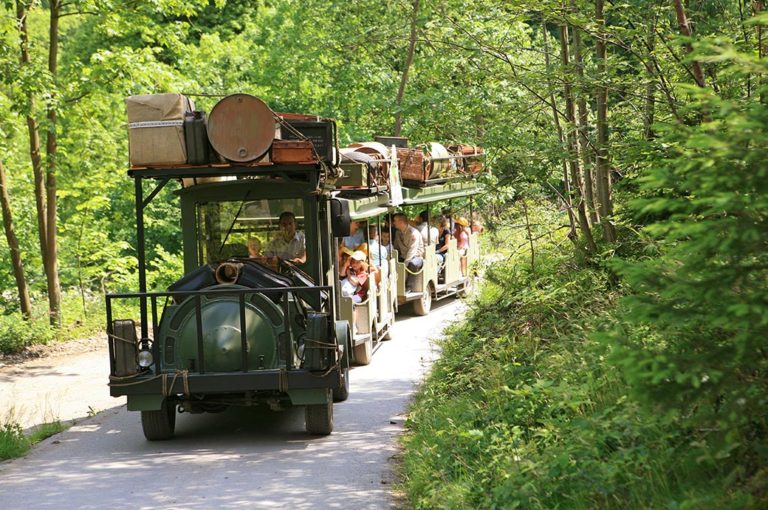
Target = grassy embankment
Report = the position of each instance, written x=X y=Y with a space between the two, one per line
x=15 y=443
x=525 y=410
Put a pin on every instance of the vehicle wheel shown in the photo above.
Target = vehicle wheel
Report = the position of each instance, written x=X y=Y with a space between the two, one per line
x=364 y=352
x=159 y=425
x=387 y=334
x=423 y=305
x=341 y=393
x=319 y=419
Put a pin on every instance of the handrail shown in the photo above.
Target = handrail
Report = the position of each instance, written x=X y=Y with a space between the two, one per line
x=240 y=293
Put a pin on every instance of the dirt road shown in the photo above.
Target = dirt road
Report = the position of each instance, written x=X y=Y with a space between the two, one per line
x=238 y=459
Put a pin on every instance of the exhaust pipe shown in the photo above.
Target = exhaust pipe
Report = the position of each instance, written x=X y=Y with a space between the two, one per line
x=228 y=272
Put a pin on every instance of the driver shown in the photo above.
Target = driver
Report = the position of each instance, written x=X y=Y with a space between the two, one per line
x=287 y=243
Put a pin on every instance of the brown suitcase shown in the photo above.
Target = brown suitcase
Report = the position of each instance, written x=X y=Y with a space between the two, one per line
x=411 y=163
x=292 y=151
x=471 y=162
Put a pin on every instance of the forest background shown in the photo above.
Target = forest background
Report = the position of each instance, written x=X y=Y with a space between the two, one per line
x=628 y=146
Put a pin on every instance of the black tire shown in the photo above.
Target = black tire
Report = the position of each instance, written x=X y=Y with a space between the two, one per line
x=341 y=393
x=424 y=305
x=159 y=425
x=318 y=419
x=364 y=352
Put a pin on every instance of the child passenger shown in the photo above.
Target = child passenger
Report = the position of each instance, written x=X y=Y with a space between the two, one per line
x=355 y=283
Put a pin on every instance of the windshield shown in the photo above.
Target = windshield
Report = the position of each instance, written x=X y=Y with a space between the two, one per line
x=251 y=228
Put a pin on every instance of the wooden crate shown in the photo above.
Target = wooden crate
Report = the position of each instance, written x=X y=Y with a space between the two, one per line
x=292 y=151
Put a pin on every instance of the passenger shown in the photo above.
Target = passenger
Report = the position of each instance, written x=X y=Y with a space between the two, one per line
x=410 y=246
x=288 y=243
x=344 y=259
x=355 y=238
x=442 y=241
x=377 y=252
x=254 y=247
x=385 y=237
x=428 y=233
x=355 y=283
x=462 y=241
x=447 y=212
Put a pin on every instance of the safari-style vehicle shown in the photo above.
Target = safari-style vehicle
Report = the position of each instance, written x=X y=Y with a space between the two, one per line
x=258 y=318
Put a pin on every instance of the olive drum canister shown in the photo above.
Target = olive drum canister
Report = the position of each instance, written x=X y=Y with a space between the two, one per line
x=241 y=128
x=196 y=138
x=125 y=347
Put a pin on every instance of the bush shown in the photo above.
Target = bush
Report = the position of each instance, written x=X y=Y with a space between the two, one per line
x=16 y=334
x=524 y=409
x=695 y=320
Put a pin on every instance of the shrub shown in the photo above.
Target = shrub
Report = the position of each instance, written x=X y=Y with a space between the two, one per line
x=16 y=334
x=695 y=320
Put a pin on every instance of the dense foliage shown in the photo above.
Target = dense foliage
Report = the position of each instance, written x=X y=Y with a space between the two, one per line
x=616 y=359
x=533 y=406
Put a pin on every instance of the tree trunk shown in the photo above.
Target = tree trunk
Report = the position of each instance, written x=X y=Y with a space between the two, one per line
x=603 y=174
x=649 y=111
x=404 y=77
x=34 y=131
x=583 y=122
x=685 y=29
x=13 y=245
x=758 y=6
x=572 y=235
x=574 y=162
x=51 y=260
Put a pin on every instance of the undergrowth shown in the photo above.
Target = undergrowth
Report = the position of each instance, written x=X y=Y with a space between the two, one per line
x=524 y=410
x=14 y=443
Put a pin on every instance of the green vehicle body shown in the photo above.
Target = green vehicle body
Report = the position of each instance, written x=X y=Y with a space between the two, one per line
x=232 y=344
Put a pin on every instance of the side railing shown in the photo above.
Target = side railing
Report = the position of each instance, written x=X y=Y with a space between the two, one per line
x=146 y=342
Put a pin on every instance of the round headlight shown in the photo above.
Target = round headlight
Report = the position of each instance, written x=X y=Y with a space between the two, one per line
x=145 y=359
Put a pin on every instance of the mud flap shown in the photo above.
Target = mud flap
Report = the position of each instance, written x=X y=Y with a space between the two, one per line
x=145 y=402
x=309 y=397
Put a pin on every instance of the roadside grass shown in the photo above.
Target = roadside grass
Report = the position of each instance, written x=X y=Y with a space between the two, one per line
x=522 y=410
x=14 y=443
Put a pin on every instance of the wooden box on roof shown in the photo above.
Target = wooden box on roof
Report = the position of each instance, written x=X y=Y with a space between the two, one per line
x=156 y=129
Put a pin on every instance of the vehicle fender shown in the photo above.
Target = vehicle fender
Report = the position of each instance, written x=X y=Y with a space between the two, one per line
x=342 y=339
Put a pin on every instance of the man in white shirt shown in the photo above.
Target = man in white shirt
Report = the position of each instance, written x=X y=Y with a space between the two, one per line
x=288 y=243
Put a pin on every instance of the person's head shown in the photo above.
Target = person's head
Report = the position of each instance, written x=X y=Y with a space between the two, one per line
x=384 y=238
x=445 y=223
x=424 y=216
x=460 y=223
x=400 y=221
x=254 y=247
x=357 y=261
x=354 y=226
x=373 y=232
x=287 y=224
